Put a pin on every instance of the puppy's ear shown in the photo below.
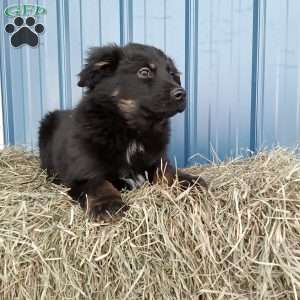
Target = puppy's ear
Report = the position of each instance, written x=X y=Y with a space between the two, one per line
x=101 y=62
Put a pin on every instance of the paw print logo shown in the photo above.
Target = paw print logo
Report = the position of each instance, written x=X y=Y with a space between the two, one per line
x=24 y=34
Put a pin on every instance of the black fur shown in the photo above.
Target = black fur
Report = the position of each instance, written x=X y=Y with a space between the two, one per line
x=125 y=110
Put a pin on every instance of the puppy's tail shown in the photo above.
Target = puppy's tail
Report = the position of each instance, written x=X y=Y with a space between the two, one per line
x=48 y=125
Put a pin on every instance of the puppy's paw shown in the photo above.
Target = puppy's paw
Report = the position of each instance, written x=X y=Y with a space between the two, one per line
x=108 y=210
x=187 y=180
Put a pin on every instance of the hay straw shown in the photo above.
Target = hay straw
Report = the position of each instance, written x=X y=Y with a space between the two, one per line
x=239 y=240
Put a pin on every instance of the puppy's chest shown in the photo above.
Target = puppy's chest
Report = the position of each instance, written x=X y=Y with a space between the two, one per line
x=135 y=153
x=137 y=159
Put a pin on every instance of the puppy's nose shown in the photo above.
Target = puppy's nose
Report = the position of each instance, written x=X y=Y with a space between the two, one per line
x=178 y=94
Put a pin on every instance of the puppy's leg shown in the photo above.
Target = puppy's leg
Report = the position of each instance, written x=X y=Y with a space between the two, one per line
x=104 y=201
x=101 y=199
x=185 y=180
x=168 y=174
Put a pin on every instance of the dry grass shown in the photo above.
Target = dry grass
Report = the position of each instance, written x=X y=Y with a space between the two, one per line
x=239 y=240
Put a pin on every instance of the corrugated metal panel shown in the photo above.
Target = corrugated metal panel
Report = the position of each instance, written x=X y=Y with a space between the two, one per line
x=1 y=119
x=239 y=60
x=279 y=73
x=220 y=118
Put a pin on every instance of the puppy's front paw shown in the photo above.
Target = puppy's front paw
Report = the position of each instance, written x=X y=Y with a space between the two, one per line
x=187 y=180
x=106 y=210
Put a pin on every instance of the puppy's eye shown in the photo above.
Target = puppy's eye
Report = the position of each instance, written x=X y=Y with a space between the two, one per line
x=176 y=76
x=144 y=73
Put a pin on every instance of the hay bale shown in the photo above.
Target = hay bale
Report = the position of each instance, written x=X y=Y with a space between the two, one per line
x=239 y=240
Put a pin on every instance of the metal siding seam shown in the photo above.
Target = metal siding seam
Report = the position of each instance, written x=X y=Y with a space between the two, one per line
x=191 y=52
x=1 y=113
x=7 y=105
x=100 y=24
x=81 y=40
x=231 y=31
x=126 y=21
x=121 y=9
x=41 y=55
x=187 y=79
x=298 y=104
x=145 y=21
x=24 y=114
x=130 y=21
x=195 y=79
x=254 y=76
x=238 y=90
x=262 y=71
x=82 y=57
x=277 y=89
x=41 y=73
x=209 y=133
x=229 y=134
x=165 y=25
x=231 y=139
x=25 y=91
x=64 y=50
x=42 y=82
x=286 y=45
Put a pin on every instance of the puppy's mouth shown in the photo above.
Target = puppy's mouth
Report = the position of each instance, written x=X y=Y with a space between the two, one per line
x=163 y=113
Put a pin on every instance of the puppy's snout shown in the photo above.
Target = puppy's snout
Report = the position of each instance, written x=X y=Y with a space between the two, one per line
x=178 y=94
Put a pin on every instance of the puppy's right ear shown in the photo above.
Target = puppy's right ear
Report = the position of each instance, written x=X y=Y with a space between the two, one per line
x=101 y=62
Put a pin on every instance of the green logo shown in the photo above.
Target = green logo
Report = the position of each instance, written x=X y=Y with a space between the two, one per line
x=24 y=10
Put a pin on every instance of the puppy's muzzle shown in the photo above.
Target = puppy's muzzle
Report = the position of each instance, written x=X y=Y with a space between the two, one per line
x=178 y=94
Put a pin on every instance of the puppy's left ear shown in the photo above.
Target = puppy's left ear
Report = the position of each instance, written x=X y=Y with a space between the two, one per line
x=101 y=62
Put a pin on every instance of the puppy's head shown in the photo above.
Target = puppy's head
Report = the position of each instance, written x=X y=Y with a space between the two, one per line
x=141 y=81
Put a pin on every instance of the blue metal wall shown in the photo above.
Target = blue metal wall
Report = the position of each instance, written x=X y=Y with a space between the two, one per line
x=239 y=59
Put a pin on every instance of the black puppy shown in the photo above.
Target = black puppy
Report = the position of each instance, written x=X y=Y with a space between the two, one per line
x=119 y=132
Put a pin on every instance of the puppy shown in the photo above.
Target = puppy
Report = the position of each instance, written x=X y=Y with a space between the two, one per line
x=118 y=134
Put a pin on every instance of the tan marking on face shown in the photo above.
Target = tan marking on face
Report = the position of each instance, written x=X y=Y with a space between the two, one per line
x=152 y=66
x=101 y=64
x=127 y=106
